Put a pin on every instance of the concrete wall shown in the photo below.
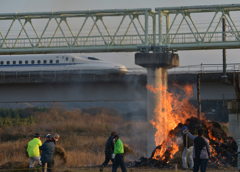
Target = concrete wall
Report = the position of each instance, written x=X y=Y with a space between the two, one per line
x=115 y=91
x=131 y=87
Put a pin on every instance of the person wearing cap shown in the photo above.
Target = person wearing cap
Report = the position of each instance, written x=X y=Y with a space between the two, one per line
x=118 y=155
x=188 y=151
x=47 y=148
x=109 y=148
x=33 y=150
x=55 y=138
x=201 y=150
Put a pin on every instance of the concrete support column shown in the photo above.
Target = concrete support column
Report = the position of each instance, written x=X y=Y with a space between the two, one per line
x=156 y=77
x=234 y=124
x=157 y=65
x=234 y=119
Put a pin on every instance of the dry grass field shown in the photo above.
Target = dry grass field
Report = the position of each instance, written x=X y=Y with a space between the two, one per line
x=83 y=135
x=141 y=169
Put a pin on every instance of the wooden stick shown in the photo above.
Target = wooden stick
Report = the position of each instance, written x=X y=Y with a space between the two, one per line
x=45 y=167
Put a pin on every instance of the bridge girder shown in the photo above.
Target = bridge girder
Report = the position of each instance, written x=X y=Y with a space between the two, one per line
x=119 y=30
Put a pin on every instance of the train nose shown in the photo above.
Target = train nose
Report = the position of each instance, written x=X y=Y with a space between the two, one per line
x=122 y=69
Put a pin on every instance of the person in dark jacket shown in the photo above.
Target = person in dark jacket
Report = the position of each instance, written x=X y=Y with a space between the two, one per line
x=187 y=152
x=201 y=150
x=109 y=148
x=47 y=148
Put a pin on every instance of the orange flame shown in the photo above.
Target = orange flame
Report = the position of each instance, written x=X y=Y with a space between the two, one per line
x=171 y=110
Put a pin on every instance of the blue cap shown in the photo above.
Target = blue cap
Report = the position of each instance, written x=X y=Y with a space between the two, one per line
x=184 y=128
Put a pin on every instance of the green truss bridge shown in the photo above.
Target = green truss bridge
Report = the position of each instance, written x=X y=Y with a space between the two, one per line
x=121 y=30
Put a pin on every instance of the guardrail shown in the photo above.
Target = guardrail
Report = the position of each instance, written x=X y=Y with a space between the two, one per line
x=192 y=69
x=205 y=68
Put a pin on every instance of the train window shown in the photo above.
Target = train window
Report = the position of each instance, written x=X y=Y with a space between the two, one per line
x=51 y=61
x=63 y=57
x=20 y=62
x=44 y=61
x=26 y=62
x=8 y=62
x=92 y=58
x=32 y=61
x=57 y=61
x=57 y=56
x=2 y=62
x=39 y=61
x=72 y=59
x=66 y=58
x=14 y=62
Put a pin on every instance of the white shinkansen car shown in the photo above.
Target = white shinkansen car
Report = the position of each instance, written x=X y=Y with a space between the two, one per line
x=59 y=62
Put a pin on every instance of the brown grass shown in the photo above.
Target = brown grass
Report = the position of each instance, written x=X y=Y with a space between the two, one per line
x=15 y=166
x=128 y=150
x=59 y=151
x=83 y=135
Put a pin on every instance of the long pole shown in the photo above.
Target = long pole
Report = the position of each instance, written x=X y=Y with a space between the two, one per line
x=186 y=150
x=224 y=50
x=198 y=96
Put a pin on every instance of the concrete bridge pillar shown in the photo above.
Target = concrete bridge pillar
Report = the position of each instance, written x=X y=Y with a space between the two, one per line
x=157 y=65
x=234 y=123
x=234 y=119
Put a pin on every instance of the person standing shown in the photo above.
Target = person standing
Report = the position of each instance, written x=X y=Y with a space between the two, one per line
x=118 y=155
x=33 y=150
x=55 y=138
x=188 y=151
x=201 y=150
x=109 y=148
x=47 y=148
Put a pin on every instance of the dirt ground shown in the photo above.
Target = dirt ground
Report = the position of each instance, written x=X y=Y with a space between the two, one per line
x=142 y=169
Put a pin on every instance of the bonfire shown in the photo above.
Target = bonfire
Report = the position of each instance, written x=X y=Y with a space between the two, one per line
x=172 y=113
x=223 y=148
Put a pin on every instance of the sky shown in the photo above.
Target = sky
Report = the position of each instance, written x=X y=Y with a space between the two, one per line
x=127 y=59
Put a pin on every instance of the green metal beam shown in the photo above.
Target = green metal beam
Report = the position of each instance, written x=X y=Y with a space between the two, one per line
x=118 y=30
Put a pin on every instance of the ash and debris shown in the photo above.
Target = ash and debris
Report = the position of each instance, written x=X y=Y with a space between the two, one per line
x=223 y=148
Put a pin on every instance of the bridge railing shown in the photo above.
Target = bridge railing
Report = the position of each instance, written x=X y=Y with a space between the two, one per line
x=136 y=40
x=74 y=41
x=205 y=68
x=213 y=37
x=192 y=69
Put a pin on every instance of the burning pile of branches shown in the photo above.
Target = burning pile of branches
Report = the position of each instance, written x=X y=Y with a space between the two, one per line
x=223 y=148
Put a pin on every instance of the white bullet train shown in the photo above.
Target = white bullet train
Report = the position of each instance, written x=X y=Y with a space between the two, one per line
x=59 y=62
